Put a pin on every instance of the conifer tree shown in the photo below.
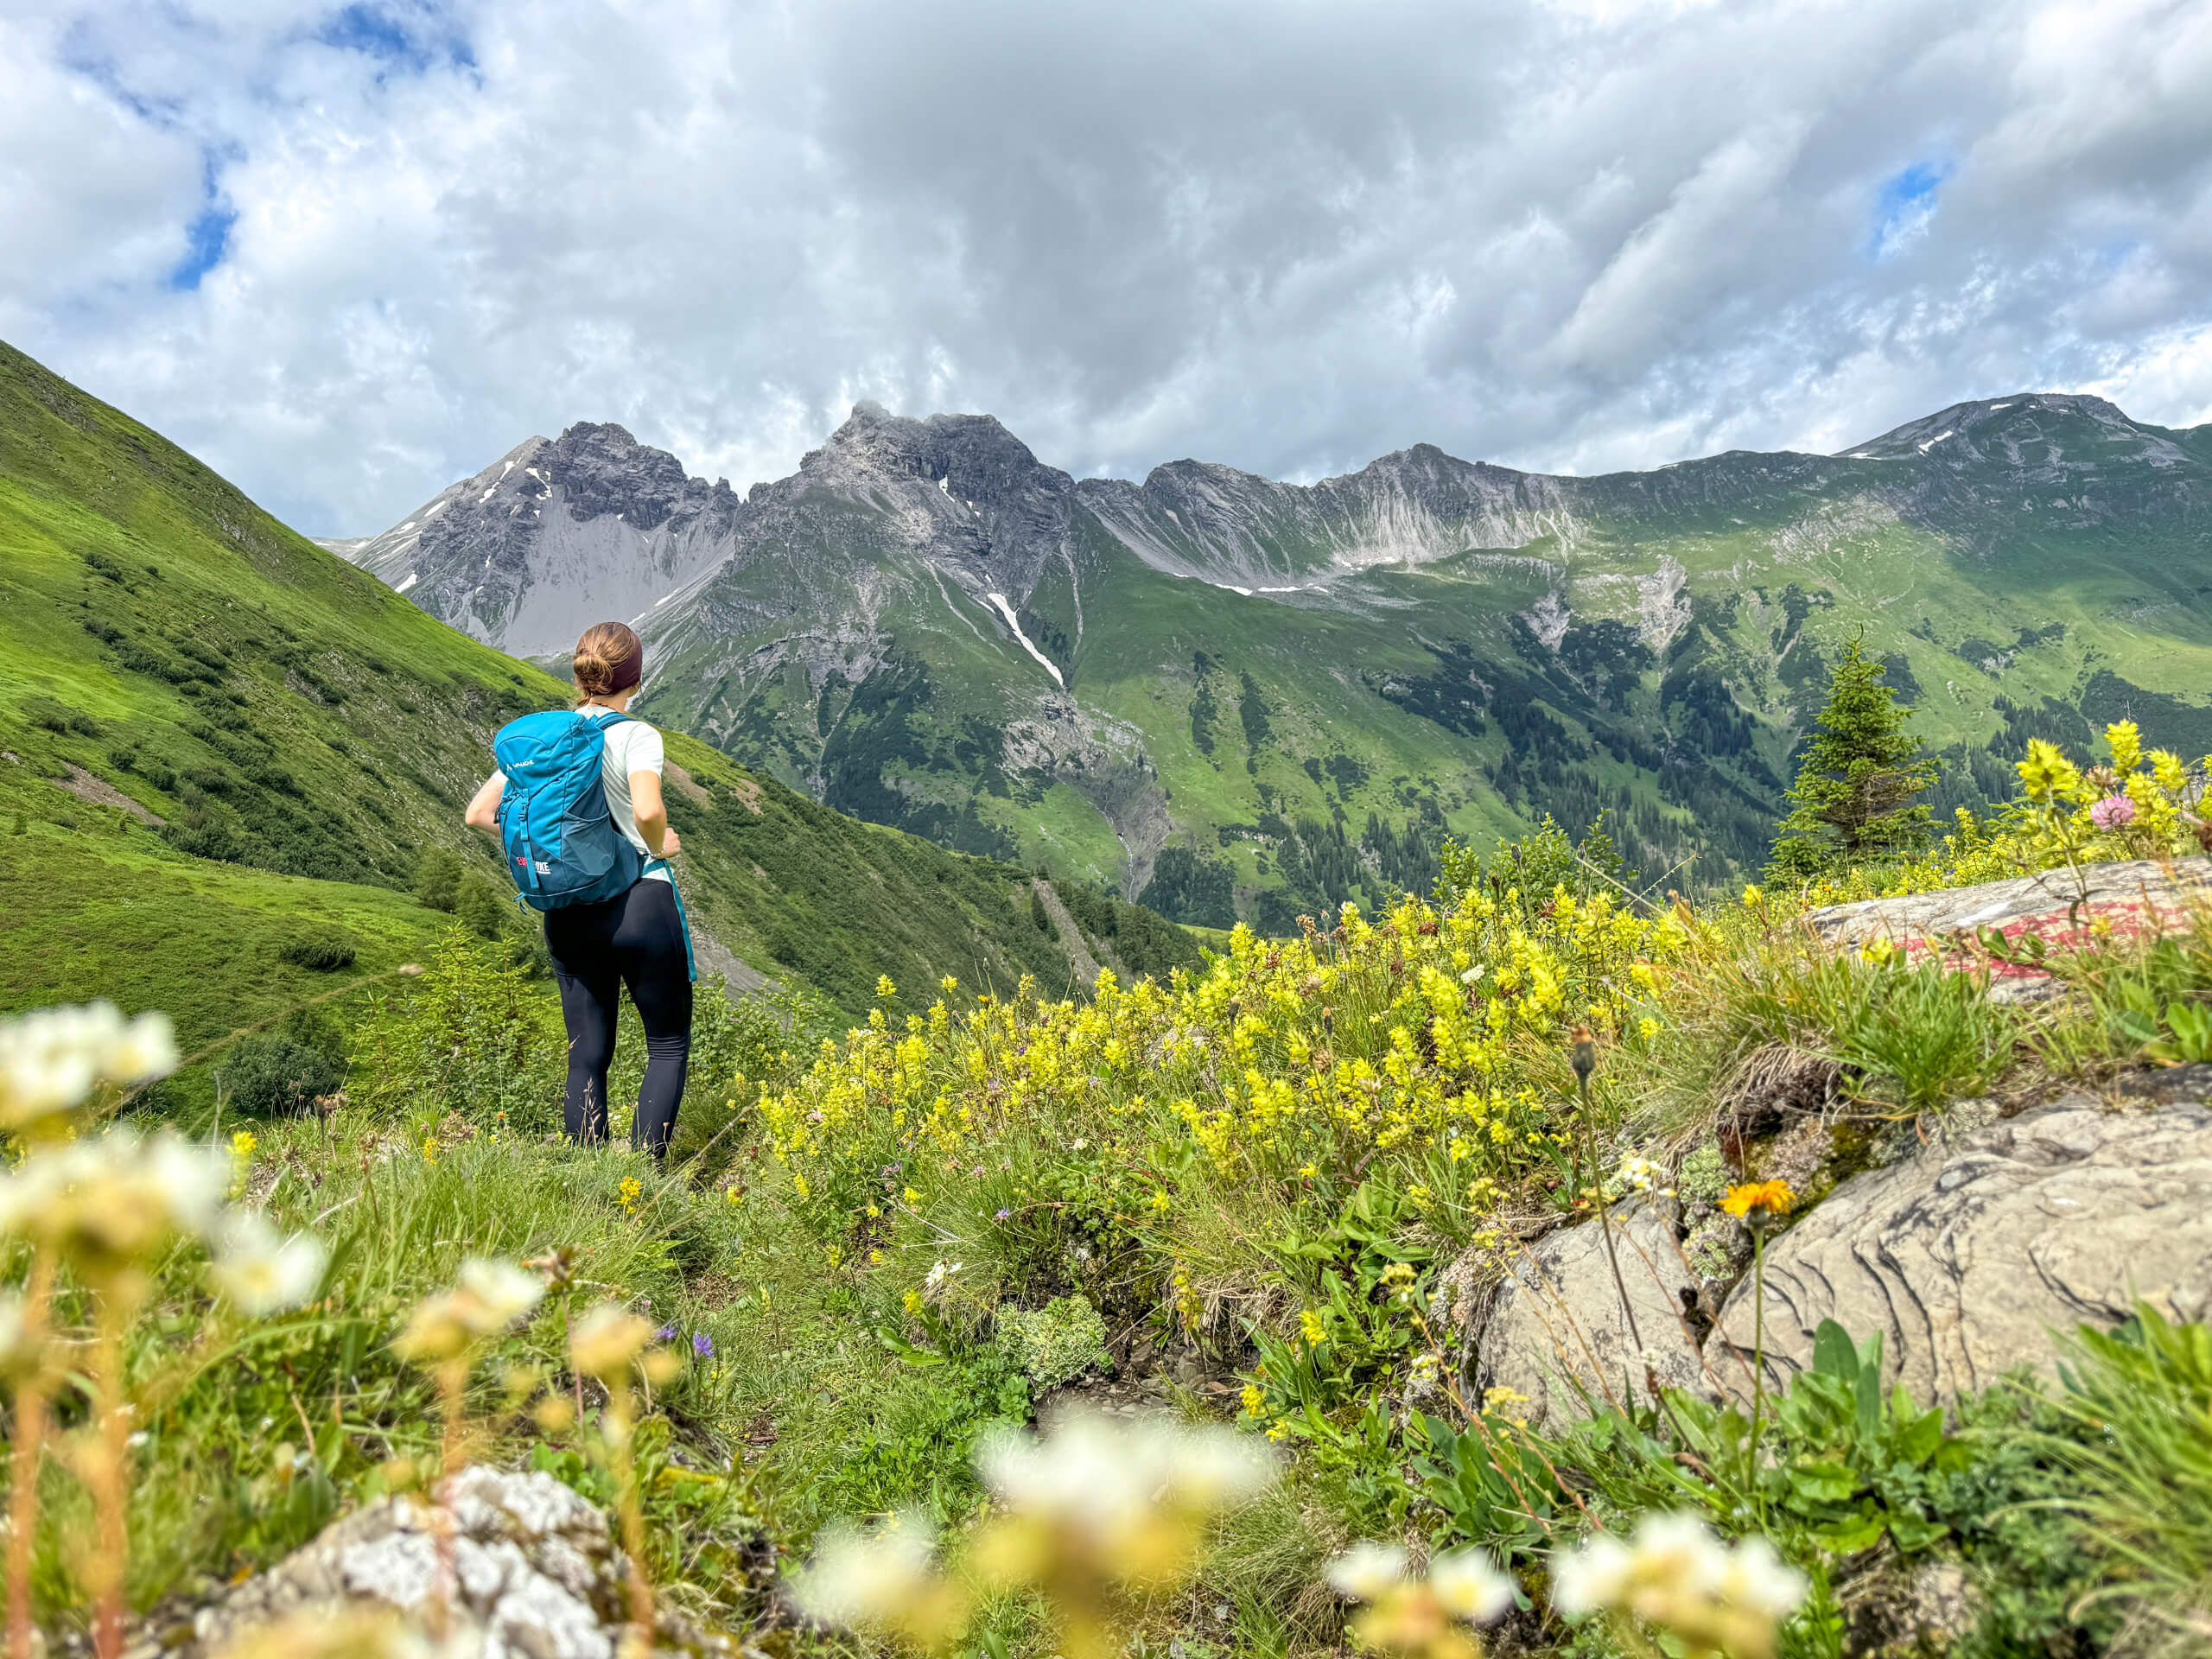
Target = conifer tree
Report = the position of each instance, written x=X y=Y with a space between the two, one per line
x=1853 y=800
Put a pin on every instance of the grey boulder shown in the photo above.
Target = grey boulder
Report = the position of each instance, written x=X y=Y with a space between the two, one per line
x=1546 y=1322
x=1968 y=1257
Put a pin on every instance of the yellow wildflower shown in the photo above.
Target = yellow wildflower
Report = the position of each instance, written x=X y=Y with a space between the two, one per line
x=628 y=1193
x=884 y=988
x=1310 y=1327
x=1768 y=1197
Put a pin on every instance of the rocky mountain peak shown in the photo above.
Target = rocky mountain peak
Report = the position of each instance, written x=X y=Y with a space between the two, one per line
x=2028 y=431
x=601 y=469
x=970 y=458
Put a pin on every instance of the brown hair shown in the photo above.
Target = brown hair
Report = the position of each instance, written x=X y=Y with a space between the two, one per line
x=610 y=658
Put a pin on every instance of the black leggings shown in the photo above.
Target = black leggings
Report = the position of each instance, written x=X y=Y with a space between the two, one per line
x=636 y=939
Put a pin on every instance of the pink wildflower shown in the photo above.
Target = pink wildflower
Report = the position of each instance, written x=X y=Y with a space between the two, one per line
x=2113 y=812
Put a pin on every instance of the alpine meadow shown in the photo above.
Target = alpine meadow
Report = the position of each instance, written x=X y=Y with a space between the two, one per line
x=1401 y=881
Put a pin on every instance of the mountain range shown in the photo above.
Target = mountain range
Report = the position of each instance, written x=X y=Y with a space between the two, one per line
x=1242 y=697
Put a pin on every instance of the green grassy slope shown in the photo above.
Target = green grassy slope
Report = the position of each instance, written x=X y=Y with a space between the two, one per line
x=219 y=738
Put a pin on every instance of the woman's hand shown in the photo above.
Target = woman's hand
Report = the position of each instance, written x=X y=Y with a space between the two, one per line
x=671 y=843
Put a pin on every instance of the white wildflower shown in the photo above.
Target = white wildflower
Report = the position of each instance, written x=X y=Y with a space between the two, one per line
x=116 y=1197
x=496 y=1294
x=938 y=1275
x=858 y=1579
x=1468 y=1586
x=1640 y=1174
x=261 y=1272
x=52 y=1060
x=607 y=1341
x=1104 y=1479
x=1367 y=1571
x=1675 y=1574
x=1473 y=976
x=1757 y=1578
x=1597 y=1576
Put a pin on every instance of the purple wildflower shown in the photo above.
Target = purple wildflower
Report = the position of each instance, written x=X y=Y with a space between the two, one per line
x=2112 y=812
x=704 y=1345
x=1004 y=1215
x=666 y=1333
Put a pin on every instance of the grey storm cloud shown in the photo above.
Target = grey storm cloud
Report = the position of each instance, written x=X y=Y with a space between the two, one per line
x=349 y=253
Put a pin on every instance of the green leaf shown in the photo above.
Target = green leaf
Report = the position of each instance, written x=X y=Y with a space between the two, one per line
x=1830 y=1481
x=1833 y=1352
x=1912 y=1533
x=1849 y=1539
x=1917 y=1441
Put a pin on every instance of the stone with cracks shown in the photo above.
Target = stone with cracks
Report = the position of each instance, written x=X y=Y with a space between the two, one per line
x=1966 y=1258
x=1545 y=1321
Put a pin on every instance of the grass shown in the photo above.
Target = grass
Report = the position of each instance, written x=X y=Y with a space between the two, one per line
x=2139 y=1404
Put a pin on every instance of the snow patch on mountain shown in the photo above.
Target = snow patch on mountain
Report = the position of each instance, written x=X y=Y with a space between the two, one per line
x=1005 y=609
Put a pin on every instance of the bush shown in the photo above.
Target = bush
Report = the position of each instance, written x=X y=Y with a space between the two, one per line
x=323 y=953
x=59 y=717
x=438 y=879
x=1057 y=1343
x=470 y=1036
x=481 y=910
x=275 y=1076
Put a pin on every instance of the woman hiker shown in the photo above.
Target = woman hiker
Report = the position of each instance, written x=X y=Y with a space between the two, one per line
x=637 y=937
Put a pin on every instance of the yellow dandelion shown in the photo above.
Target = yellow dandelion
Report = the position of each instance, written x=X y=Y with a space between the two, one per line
x=1765 y=1197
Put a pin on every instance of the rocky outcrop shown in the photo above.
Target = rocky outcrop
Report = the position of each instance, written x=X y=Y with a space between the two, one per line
x=1968 y=1257
x=1988 y=1236
x=2129 y=899
x=1546 y=1323
x=525 y=1565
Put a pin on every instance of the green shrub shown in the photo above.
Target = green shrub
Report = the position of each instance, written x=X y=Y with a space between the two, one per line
x=59 y=717
x=275 y=1076
x=1057 y=1343
x=482 y=911
x=438 y=879
x=472 y=1036
x=322 y=953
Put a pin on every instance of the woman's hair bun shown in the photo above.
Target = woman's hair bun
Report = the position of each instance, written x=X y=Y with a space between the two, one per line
x=610 y=657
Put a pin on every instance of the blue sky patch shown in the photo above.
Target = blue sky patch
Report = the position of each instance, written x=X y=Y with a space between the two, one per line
x=1903 y=208
x=208 y=238
x=409 y=39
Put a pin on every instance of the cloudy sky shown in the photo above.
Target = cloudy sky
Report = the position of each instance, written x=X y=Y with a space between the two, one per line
x=349 y=253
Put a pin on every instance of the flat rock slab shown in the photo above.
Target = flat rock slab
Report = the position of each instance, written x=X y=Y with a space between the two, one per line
x=1546 y=1321
x=1968 y=1258
x=2131 y=898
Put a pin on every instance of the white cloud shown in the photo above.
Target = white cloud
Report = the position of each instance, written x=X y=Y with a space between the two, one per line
x=1586 y=235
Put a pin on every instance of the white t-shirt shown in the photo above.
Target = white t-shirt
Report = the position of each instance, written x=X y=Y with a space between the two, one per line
x=631 y=746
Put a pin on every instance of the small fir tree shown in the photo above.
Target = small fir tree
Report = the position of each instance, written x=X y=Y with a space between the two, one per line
x=1853 y=798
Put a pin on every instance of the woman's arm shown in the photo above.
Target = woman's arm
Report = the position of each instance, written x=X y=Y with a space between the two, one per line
x=652 y=813
x=484 y=810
